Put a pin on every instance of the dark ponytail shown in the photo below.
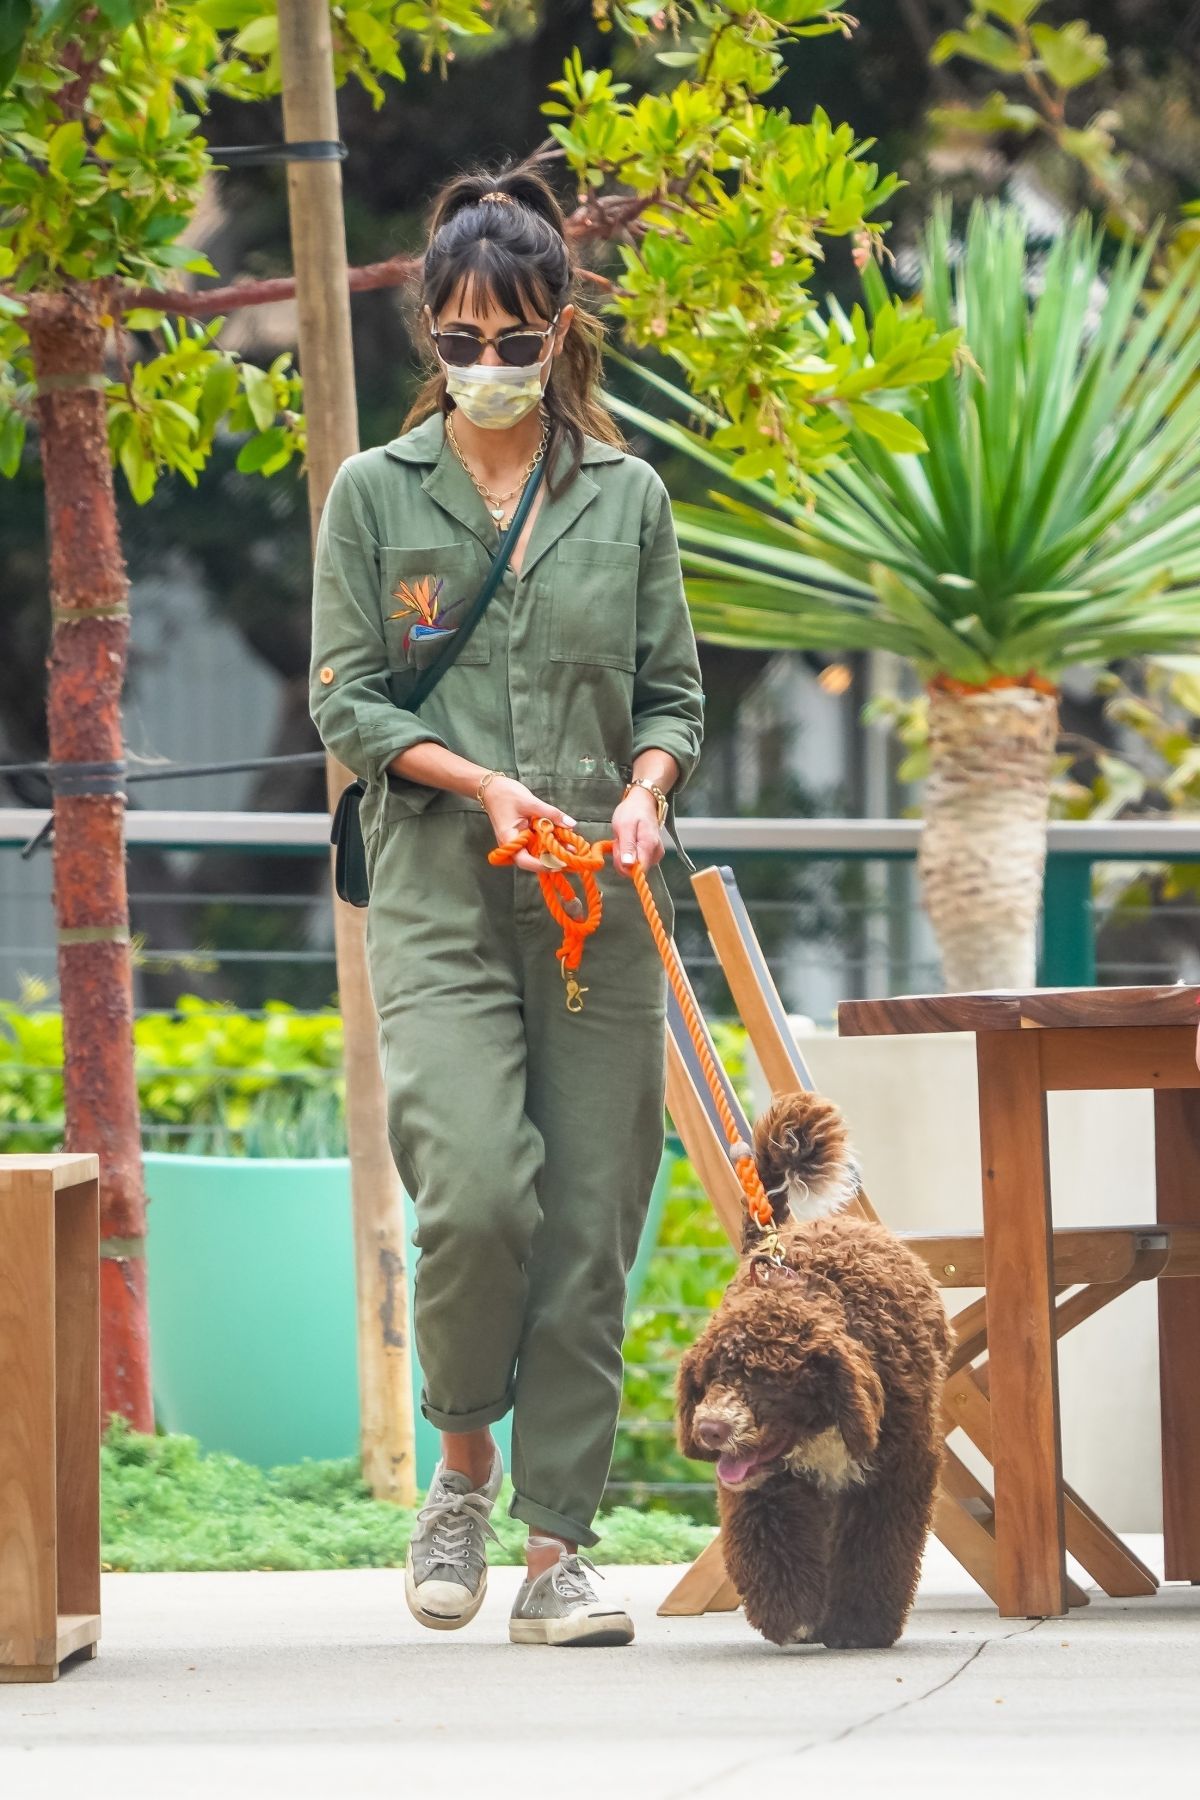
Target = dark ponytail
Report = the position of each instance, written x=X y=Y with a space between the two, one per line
x=515 y=254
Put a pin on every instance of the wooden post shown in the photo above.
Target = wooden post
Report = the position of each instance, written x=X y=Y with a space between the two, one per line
x=327 y=365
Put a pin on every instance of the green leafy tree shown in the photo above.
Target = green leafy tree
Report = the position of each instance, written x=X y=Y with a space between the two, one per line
x=1047 y=64
x=733 y=201
x=1051 y=523
x=102 y=162
x=1049 y=74
x=719 y=204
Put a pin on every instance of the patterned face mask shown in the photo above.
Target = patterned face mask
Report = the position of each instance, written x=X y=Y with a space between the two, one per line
x=493 y=396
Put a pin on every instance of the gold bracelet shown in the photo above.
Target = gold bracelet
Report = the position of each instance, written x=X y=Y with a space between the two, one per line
x=484 y=782
x=660 y=799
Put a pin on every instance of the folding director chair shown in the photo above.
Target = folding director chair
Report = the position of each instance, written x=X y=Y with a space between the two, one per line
x=1100 y=1263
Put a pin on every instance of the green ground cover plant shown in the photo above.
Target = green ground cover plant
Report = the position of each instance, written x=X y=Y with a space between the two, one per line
x=166 y=1505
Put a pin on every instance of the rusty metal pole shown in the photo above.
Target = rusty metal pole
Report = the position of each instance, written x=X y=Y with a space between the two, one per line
x=327 y=365
x=89 y=604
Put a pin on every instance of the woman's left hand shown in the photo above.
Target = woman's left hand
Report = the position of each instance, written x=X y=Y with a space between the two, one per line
x=636 y=836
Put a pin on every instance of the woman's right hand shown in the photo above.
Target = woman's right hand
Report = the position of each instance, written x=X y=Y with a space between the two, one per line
x=510 y=806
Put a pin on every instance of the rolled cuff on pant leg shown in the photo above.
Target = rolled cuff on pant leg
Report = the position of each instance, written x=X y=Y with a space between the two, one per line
x=468 y=1421
x=542 y=1519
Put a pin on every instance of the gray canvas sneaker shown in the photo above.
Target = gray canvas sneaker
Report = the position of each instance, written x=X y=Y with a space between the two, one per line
x=559 y=1607
x=446 y=1568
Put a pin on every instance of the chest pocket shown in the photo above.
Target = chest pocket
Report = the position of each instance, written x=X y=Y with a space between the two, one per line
x=593 y=607
x=409 y=571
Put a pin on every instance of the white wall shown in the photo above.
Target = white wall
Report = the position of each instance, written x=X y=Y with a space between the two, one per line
x=913 y=1109
x=196 y=693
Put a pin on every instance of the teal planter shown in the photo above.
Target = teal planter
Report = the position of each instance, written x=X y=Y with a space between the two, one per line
x=252 y=1306
x=252 y=1311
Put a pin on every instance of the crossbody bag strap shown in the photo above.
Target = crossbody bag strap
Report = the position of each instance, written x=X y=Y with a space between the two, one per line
x=430 y=677
x=672 y=824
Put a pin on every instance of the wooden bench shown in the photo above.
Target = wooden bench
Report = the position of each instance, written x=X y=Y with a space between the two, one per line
x=49 y=1413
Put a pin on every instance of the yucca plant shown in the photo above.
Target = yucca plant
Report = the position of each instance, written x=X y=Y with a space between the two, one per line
x=1053 y=519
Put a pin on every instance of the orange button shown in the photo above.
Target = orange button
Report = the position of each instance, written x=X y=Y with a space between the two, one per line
x=326 y=675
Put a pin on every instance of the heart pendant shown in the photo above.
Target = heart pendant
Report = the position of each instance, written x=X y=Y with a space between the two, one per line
x=497 y=513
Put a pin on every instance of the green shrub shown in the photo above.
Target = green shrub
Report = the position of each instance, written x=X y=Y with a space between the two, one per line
x=165 y=1505
x=211 y=1080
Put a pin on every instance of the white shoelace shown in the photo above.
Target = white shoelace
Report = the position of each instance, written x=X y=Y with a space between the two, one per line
x=454 y=1518
x=569 y=1580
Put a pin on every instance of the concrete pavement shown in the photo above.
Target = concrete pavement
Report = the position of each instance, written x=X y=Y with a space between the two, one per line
x=304 y=1686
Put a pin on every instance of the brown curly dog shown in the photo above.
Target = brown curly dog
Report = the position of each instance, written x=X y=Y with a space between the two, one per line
x=815 y=1388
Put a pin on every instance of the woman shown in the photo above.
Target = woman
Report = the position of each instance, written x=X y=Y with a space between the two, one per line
x=527 y=1134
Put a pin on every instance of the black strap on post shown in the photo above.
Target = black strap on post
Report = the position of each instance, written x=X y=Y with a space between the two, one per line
x=239 y=156
x=78 y=778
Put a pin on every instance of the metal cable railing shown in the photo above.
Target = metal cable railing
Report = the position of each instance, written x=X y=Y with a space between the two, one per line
x=834 y=902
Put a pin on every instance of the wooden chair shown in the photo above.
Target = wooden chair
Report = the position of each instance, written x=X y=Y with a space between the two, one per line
x=49 y=1413
x=1106 y=1262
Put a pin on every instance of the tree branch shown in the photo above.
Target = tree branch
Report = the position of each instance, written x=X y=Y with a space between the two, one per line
x=397 y=271
x=595 y=219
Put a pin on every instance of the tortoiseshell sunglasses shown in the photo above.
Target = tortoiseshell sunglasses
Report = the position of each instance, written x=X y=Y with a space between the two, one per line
x=520 y=346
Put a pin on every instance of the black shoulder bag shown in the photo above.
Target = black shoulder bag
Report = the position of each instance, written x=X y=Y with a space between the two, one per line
x=409 y=688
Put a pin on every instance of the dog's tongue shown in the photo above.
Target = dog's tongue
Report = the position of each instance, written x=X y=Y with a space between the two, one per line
x=732 y=1469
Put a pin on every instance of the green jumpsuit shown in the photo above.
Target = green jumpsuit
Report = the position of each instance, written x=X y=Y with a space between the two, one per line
x=528 y=1136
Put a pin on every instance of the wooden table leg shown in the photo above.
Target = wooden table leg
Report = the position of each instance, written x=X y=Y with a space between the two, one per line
x=1177 y=1177
x=1031 y=1572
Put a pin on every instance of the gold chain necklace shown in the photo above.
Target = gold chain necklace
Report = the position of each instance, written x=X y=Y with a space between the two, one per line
x=497 y=504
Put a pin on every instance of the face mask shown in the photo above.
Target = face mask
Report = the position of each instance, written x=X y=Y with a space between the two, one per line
x=493 y=396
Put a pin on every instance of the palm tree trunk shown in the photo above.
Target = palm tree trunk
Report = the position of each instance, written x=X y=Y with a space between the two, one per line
x=983 y=848
x=89 y=607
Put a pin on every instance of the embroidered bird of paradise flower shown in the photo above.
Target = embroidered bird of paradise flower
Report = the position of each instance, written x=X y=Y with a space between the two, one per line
x=418 y=597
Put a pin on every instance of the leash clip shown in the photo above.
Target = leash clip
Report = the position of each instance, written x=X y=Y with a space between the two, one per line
x=575 y=993
x=768 y=1261
x=765 y=1269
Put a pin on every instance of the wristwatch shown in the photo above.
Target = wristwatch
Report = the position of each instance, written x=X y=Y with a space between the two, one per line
x=660 y=799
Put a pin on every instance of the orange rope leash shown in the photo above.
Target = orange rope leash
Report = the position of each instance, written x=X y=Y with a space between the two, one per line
x=570 y=851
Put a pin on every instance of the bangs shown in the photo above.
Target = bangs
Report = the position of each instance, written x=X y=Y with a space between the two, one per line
x=488 y=272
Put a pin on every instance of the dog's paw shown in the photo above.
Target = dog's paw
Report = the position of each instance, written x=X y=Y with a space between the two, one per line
x=859 y=1637
x=785 y=1631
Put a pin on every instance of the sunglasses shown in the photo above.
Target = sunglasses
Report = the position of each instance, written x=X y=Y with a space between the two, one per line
x=520 y=346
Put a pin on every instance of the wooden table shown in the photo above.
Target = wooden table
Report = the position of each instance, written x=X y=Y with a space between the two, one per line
x=49 y=1413
x=1028 y=1045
